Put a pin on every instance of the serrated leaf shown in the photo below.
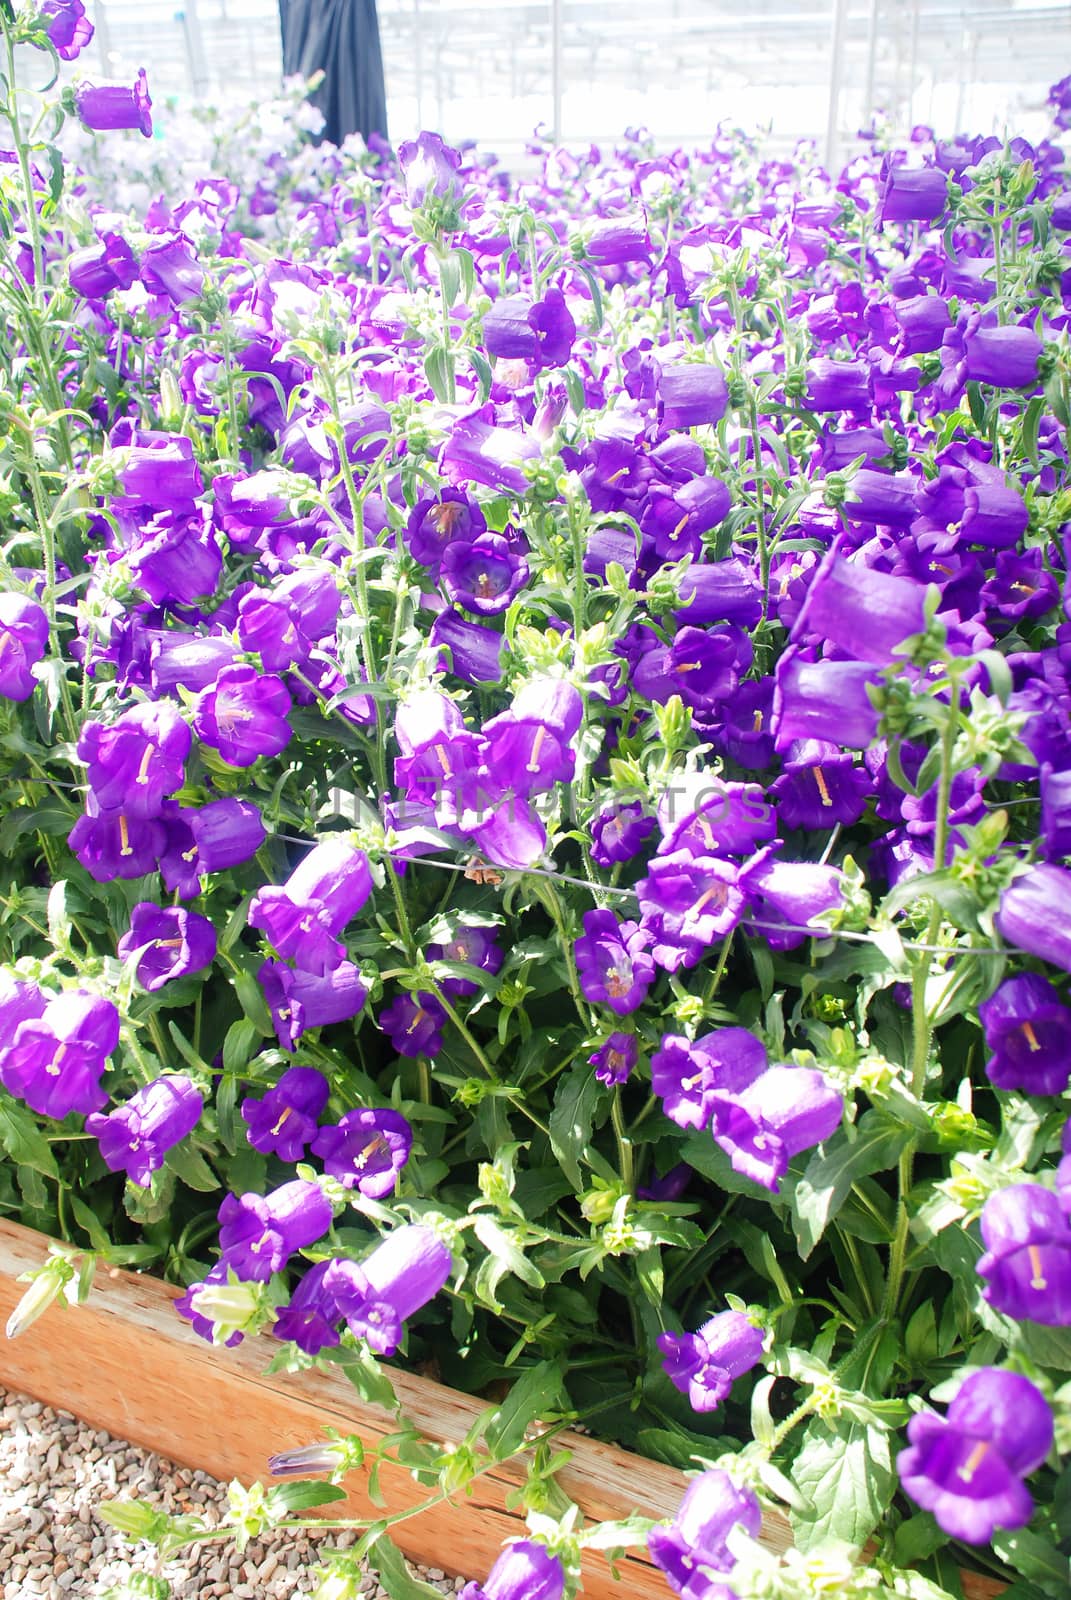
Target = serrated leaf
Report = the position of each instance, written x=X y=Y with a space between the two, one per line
x=536 y=1392
x=24 y=1141
x=289 y=1497
x=507 y=1252
x=573 y=1117
x=828 y=1177
x=846 y=1473
x=191 y=1168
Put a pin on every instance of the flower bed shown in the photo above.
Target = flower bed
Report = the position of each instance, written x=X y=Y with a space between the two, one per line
x=535 y=731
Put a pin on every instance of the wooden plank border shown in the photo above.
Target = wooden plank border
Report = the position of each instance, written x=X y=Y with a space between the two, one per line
x=127 y=1363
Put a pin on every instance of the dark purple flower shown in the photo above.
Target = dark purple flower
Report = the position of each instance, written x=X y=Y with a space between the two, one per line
x=704 y=1364
x=67 y=26
x=115 y=845
x=243 y=715
x=176 y=560
x=686 y=1076
x=612 y=962
x=1028 y=1255
x=23 y=641
x=476 y=947
x=365 y=1150
x=529 y=747
x=967 y=1467
x=615 y=1059
x=100 y=268
x=866 y=613
x=824 y=700
x=434 y=524
x=136 y=761
x=614 y=241
x=401 y=1275
x=910 y=194
x=178 y=942
x=539 y=333
x=1035 y=914
x=703 y=814
x=479 y=451
x=299 y=1001
x=687 y=902
x=1007 y=357
x=526 y=1570
x=322 y=894
x=782 y=1112
x=693 y=1551
x=169 y=266
x=104 y=109
x=311 y=1318
x=1020 y=585
x=473 y=652
x=838 y=385
x=484 y=575
x=56 y=1060
x=699 y=666
x=135 y=1137
x=226 y=833
x=619 y=832
x=720 y=591
x=1029 y=1032
x=413 y=1023
x=820 y=787
x=259 y=1233
x=789 y=897
x=284 y=1120
x=690 y=393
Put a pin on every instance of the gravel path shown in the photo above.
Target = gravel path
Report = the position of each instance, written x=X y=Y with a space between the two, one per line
x=54 y=1472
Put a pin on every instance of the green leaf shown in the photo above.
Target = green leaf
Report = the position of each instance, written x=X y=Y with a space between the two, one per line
x=1036 y=1559
x=846 y=1473
x=1049 y=1347
x=618 y=1535
x=917 y=1538
x=88 y=1219
x=437 y=372
x=23 y=1139
x=366 y=1375
x=536 y=1392
x=387 y=1561
x=191 y=1167
x=828 y=1177
x=573 y=1117
x=286 y=1498
x=239 y=1046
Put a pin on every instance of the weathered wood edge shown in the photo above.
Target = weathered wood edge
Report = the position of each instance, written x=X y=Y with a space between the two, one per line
x=127 y=1363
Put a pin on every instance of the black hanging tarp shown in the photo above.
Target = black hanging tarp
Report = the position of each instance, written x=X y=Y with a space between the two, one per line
x=341 y=38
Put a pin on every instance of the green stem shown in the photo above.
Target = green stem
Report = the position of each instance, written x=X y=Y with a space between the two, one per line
x=624 y=1144
x=760 y=505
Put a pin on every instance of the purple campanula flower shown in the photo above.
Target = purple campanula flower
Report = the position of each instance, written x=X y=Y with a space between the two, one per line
x=98 y=269
x=707 y=816
x=700 y=667
x=284 y=1120
x=693 y=1551
x=529 y=747
x=474 y=652
x=782 y=1112
x=202 y=1325
x=614 y=241
x=824 y=700
x=838 y=385
x=789 y=897
x=1035 y=914
x=413 y=1023
x=686 y=1076
x=1055 y=812
x=429 y=168
x=188 y=661
x=1028 y=1030
x=226 y=833
x=526 y=1570
x=720 y=591
x=614 y=1060
x=299 y=1001
x=619 y=833
x=540 y=333
x=311 y=1317
x=820 y=787
x=1028 y=1255
x=690 y=393
x=243 y=715
x=479 y=451
x=483 y=576
x=881 y=497
x=178 y=942
x=1020 y=585
x=473 y=945
x=259 y=1233
x=365 y=1150
x=169 y=266
x=687 y=902
x=116 y=845
x=910 y=194
x=511 y=834
x=401 y=1275
x=676 y=517
x=866 y=613
x=1007 y=357
x=436 y=523
x=994 y=515
x=669 y=1188
x=67 y=26
x=322 y=894
x=56 y=1060
x=270 y=626
x=139 y=759
x=18 y=1003
x=23 y=641
x=105 y=108
x=967 y=1467
x=176 y=559
x=157 y=469
x=923 y=320
x=135 y=1137
x=612 y=962
x=704 y=1364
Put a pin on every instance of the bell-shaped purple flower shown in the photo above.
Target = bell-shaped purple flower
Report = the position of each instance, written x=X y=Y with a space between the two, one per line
x=473 y=945
x=429 y=168
x=285 y=1119
x=139 y=759
x=366 y=1150
x=67 y=26
x=259 y=1233
x=690 y=393
x=779 y=1114
x=790 y=898
x=1035 y=914
x=687 y=902
x=687 y=1076
x=472 y=652
x=612 y=962
x=479 y=451
x=104 y=109
x=910 y=194
x=173 y=943
x=1007 y=357
x=114 y=845
x=1028 y=1255
x=967 y=1467
x=56 y=1060
x=619 y=833
x=434 y=524
x=323 y=893
x=526 y=1570
x=614 y=1060
x=866 y=613
x=311 y=1318
x=824 y=700
x=226 y=833
x=539 y=333
x=1029 y=1032
x=703 y=814
x=135 y=1137
x=820 y=787
x=243 y=715
x=704 y=1364
x=299 y=1001
x=693 y=1551
x=413 y=1023
x=400 y=1276
x=98 y=269
x=23 y=641
x=483 y=576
